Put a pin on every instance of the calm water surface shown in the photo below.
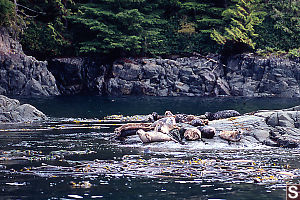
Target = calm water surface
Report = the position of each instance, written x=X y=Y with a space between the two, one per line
x=71 y=156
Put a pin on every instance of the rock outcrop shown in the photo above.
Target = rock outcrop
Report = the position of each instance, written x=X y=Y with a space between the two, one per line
x=249 y=75
x=21 y=74
x=79 y=75
x=244 y=75
x=12 y=111
x=278 y=128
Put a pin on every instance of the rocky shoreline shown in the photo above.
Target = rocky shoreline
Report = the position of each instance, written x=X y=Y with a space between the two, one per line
x=244 y=75
x=274 y=128
x=21 y=74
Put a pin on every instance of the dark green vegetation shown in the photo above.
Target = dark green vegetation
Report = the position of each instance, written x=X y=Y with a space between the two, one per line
x=155 y=27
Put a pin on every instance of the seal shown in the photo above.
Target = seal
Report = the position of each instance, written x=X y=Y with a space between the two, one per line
x=192 y=134
x=232 y=136
x=207 y=131
x=153 y=136
x=131 y=129
x=165 y=124
x=222 y=114
x=190 y=119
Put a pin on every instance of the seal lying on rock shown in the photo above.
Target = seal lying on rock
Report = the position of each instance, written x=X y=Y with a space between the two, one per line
x=232 y=136
x=153 y=136
x=192 y=134
x=165 y=124
x=190 y=119
x=207 y=131
x=222 y=114
x=131 y=129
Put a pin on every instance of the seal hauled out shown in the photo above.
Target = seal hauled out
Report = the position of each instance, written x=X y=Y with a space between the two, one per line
x=192 y=134
x=207 y=131
x=165 y=124
x=222 y=114
x=153 y=136
x=232 y=136
x=131 y=129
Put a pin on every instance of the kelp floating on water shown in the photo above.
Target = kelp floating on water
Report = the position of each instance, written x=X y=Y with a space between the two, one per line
x=230 y=171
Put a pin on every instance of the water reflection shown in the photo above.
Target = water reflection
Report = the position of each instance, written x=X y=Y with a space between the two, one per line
x=98 y=107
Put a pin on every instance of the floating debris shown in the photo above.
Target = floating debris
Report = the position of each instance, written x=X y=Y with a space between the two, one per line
x=16 y=184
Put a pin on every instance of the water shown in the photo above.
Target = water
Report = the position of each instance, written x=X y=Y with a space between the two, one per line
x=95 y=106
x=72 y=155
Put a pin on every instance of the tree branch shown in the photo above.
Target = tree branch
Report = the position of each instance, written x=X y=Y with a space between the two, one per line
x=29 y=9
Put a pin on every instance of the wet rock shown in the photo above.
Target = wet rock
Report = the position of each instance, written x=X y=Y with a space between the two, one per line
x=12 y=111
x=260 y=127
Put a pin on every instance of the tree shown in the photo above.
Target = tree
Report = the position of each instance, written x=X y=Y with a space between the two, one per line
x=243 y=17
x=281 y=28
x=7 y=12
x=121 y=27
x=46 y=34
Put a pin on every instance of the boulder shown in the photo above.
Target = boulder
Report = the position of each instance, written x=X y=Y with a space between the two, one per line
x=12 y=111
x=273 y=128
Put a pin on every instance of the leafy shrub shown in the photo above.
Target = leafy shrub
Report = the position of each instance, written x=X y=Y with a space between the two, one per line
x=7 y=12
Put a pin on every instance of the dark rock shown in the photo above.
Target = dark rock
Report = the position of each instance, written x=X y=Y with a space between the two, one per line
x=20 y=73
x=222 y=114
x=79 y=75
x=12 y=111
x=244 y=75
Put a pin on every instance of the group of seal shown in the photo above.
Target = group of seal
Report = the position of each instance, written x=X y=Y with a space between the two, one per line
x=178 y=127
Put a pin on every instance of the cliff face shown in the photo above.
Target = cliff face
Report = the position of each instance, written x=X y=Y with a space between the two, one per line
x=21 y=74
x=248 y=75
x=79 y=75
x=244 y=75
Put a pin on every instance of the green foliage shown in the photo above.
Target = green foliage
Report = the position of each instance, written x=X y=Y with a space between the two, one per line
x=46 y=34
x=43 y=41
x=294 y=53
x=7 y=12
x=242 y=18
x=157 y=27
x=281 y=28
x=127 y=28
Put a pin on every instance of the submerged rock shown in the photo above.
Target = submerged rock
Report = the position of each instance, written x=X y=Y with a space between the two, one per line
x=12 y=111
